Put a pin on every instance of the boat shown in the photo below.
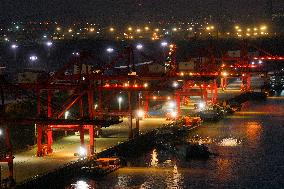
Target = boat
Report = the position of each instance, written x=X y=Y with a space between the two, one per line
x=101 y=167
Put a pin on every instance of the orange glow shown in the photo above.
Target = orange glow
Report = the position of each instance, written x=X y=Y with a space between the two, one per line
x=224 y=171
x=253 y=130
x=146 y=85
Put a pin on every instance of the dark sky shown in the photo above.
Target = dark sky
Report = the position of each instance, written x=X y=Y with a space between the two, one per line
x=127 y=10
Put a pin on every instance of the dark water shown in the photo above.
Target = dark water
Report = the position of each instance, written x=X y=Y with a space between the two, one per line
x=250 y=145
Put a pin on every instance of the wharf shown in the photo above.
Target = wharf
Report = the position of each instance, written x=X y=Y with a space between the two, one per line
x=27 y=165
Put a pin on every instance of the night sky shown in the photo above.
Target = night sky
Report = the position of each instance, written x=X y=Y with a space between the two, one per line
x=129 y=11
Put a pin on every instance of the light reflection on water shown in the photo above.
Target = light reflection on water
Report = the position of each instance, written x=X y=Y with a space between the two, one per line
x=123 y=181
x=253 y=131
x=250 y=156
x=221 y=142
x=175 y=179
x=154 y=160
x=81 y=185
x=230 y=142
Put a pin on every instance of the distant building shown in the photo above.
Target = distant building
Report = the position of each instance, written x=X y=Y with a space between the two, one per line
x=192 y=64
x=85 y=68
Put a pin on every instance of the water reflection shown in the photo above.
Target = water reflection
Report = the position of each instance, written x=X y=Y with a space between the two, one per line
x=229 y=142
x=223 y=142
x=241 y=161
x=123 y=181
x=201 y=140
x=154 y=160
x=174 y=180
x=253 y=131
x=224 y=169
x=80 y=185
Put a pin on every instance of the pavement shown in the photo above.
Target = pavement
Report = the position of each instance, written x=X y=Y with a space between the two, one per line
x=27 y=165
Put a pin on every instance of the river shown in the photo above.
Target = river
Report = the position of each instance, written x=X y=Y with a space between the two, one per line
x=250 y=148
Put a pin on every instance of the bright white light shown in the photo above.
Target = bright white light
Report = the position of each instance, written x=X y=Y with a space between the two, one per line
x=66 y=114
x=164 y=44
x=175 y=84
x=173 y=114
x=1 y=132
x=172 y=104
x=139 y=46
x=140 y=113
x=224 y=74
x=81 y=185
x=96 y=106
x=201 y=105
x=82 y=151
x=76 y=53
x=49 y=43
x=119 y=99
x=33 y=58
x=110 y=50
x=146 y=85
x=260 y=61
x=14 y=46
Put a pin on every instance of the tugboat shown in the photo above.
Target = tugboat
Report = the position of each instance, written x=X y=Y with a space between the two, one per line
x=101 y=167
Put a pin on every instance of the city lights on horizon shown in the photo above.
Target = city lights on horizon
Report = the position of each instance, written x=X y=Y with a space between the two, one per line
x=152 y=31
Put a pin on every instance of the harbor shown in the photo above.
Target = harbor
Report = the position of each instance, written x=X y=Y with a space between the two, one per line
x=172 y=131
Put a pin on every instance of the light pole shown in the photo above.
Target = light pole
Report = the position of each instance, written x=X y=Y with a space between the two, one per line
x=76 y=54
x=33 y=59
x=119 y=100
x=164 y=44
x=48 y=45
x=14 y=47
x=109 y=50
x=66 y=114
